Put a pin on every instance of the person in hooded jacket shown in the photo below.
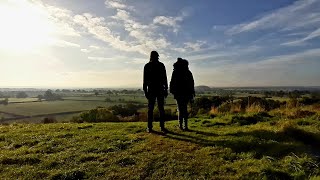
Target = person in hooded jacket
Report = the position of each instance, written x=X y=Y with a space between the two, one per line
x=155 y=87
x=182 y=88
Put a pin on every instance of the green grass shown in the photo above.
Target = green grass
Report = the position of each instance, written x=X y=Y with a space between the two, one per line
x=277 y=150
x=47 y=107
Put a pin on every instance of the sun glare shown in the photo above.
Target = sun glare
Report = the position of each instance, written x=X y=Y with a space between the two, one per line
x=24 y=25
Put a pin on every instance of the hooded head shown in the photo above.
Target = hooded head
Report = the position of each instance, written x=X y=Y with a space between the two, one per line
x=154 y=56
x=181 y=64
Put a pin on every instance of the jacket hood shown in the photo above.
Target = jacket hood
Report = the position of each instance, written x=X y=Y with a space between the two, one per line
x=181 y=64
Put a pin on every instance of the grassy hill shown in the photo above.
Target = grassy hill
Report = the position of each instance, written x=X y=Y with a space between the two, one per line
x=212 y=149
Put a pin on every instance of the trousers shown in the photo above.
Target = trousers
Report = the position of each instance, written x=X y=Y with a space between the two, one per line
x=151 y=102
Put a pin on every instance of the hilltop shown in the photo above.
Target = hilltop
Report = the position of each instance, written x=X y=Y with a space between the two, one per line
x=213 y=149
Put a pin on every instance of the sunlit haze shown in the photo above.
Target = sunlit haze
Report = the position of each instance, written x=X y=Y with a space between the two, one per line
x=81 y=43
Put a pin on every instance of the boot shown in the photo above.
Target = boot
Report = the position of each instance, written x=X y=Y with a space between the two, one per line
x=185 y=121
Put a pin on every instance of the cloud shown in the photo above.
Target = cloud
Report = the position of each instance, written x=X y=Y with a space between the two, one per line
x=169 y=21
x=300 y=42
x=100 y=58
x=117 y=5
x=222 y=54
x=301 y=14
x=196 y=45
x=62 y=43
x=62 y=20
x=85 y=50
x=296 y=58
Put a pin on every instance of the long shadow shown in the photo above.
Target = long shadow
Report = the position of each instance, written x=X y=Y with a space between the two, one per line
x=260 y=142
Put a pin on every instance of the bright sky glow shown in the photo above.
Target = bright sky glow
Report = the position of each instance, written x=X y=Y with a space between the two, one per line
x=80 y=43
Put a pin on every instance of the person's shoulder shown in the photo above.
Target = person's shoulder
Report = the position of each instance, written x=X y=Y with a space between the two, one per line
x=147 y=64
x=161 y=64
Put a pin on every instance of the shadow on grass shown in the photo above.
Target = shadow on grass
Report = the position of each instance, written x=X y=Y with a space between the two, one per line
x=260 y=142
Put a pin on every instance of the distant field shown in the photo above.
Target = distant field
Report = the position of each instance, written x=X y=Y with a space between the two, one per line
x=47 y=107
x=117 y=98
x=13 y=100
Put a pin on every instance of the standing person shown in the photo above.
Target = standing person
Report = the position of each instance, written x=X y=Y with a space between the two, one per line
x=155 y=87
x=182 y=88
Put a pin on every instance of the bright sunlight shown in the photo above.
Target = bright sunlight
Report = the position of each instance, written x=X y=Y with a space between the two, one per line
x=25 y=26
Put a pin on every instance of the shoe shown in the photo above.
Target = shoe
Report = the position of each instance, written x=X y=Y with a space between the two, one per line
x=149 y=130
x=164 y=130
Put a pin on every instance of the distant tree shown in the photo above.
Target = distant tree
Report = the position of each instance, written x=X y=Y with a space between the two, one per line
x=50 y=96
x=40 y=97
x=96 y=93
x=58 y=90
x=22 y=95
x=65 y=90
x=5 y=101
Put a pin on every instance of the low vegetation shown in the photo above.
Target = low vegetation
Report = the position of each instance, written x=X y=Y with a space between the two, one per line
x=230 y=137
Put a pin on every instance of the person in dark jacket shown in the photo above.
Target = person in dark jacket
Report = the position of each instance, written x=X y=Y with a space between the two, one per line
x=182 y=88
x=155 y=87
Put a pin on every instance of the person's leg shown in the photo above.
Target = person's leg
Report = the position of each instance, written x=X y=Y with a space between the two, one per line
x=184 y=112
x=160 y=100
x=151 y=102
x=180 y=115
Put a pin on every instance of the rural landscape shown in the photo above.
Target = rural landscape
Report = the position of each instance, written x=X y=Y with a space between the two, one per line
x=160 y=90
x=235 y=133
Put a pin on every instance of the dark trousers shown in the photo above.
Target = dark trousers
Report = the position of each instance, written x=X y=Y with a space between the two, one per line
x=151 y=103
x=183 y=111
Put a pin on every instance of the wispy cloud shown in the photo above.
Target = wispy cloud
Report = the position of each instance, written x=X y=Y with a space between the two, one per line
x=195 y=45
x=301 y=14
x=295 y=58
x=312 y=35
x=169 y=21
x=62 y=43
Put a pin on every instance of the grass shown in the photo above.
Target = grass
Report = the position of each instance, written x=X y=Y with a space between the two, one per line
x=223 y=150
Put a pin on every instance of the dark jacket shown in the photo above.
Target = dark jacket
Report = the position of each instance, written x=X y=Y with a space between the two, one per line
x=182 y=83
x=155 y=79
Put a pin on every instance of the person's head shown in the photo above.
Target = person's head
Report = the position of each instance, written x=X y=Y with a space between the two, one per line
x=181 y=64
x=154 y=56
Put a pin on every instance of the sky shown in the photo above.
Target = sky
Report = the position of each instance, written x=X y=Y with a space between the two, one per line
x=98 y=43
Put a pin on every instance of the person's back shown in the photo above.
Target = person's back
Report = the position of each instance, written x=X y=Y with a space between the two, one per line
x=182 y=88
x=182 y=83
x=155 y=80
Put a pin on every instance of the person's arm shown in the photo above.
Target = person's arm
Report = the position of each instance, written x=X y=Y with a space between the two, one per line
x=165 y=79
x=173 y=83
x=192 y=84
x=145 y=81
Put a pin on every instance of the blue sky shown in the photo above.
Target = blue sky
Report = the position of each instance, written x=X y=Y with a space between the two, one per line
x=96 y=43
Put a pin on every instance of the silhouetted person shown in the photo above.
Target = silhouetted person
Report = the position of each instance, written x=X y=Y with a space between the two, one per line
x=182 y=87
x=155 y=87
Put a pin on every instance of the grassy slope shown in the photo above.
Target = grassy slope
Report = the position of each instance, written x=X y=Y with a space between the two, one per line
x=125 y=151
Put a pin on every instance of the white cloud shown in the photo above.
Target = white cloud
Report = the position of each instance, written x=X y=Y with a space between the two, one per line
x=296 y=58
x=85 y=50
x=94 y=47
x=63 y=21
x=299 y=42
x=195 y=46
x=62 y=43
x=118 y=5
x=301 y=14
x=169 y=21
x=100 y=58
